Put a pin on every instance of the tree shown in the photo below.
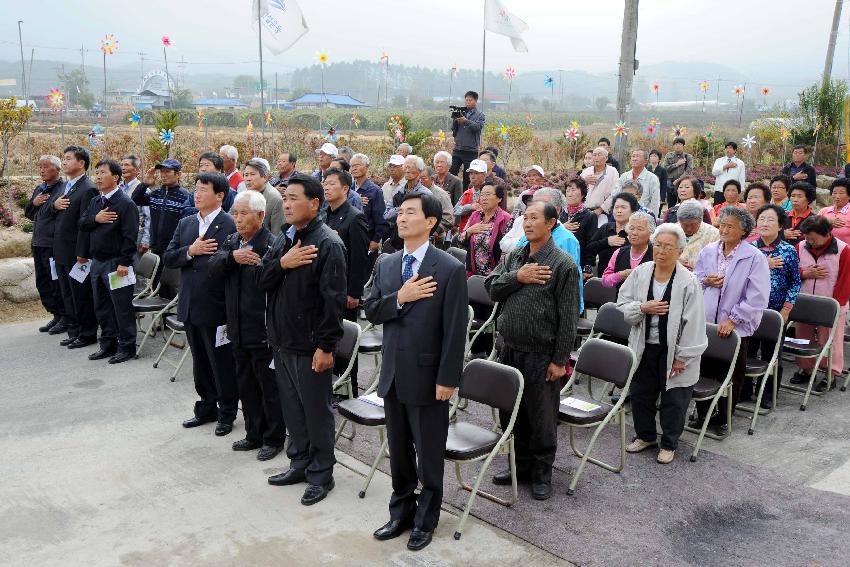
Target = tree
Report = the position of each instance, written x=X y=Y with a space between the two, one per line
x=182 y=98
x=824 y=104
x=76 y=86
x=12 y=122
x=245 y=83
x=602 y=103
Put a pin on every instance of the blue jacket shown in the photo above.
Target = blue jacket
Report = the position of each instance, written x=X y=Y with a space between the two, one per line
x=168 y=205
x=374 y=211
x=566 y=241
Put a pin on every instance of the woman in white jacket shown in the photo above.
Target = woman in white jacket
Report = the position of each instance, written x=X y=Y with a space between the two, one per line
x=662 y=300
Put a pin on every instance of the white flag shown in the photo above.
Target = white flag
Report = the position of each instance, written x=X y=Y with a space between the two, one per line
x=499 y=20
x=283 y=23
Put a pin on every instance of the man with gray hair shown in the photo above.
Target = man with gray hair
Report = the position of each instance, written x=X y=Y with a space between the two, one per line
x=43 y=225
x=634 y=187
x=601 y=180
x=412 y=168
x=130 y=169
x=230 y=157
x=256 y=179
x=372 y=200
x=443 y=178
x=285 y=169
x=448 y=219
x=651 y=198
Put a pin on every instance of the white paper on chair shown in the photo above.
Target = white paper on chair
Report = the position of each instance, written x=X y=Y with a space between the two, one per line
x=373 y=399
x=53 y=275
x=80 y=272
x=794 y=341
x=221 y=336
x=117 y=282
x=579 y=404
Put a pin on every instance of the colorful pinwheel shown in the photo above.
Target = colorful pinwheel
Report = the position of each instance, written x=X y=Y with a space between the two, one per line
x=509 y=73
x=385 y=58
x=784 y=133
x=166 y=136
x=268 y=118
x=355 y=121
x=620 y=129
x=572 y=135
x=166 y=41
x=654 y=122
x=738 y=90
x=134 y=120
x=708 y=136
x=650 y=130
x=748 y=141
x=109 y=44
x=441 y=137
x=200 y=119
x=656 y=87
x=503 y=132
x=330 y=135
x=765 y=91
x=56 y=99
x=322 y=58
x=574 y=124
x=703 y=86
x=250 y=126
x=548 y=81
x=679 y=131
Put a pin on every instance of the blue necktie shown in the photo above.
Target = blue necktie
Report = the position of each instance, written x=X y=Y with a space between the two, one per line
x=68 y=186
x=407 y=271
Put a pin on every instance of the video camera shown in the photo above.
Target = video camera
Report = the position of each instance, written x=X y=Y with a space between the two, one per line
x=457 y=111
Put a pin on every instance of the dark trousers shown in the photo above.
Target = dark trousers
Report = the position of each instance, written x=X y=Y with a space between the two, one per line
x=79 y=304
x=166 y=291
x=113 y=308
x=48 y=288
x=260 y=399
x=762 y=350
x=305 y=398
x=536 y=426
x=416 y=434
x=649 y=382
x=340 y=364
x=464 y=158
x=713 y=368
x=214 y=374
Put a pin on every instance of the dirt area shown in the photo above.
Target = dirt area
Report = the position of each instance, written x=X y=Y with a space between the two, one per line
x=19 y=312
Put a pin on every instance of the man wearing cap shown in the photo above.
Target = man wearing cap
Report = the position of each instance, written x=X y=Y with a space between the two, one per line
x=534 y=180
x=396 y=180
x=230 y=157
x=168 y=204
x=469 y=200
x=324 y=156
x=466 y=130
x=256 y=179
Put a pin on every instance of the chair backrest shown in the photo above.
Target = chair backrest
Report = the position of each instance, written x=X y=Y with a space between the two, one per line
x=814 y=310
x=596 y=295
x=605 y=361
x=170 y=277
x=490 y=383
x=147 y=264
x=458 y=253
x=771 y=326
x=611 y=323
x=350 y=334
x=725 y=350
x=477 y=292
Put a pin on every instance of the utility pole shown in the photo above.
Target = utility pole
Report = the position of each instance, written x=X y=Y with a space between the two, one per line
x=23 y=65
x=628 y=66
x=833 y=37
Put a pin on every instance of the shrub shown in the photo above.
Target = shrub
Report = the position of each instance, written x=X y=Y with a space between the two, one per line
x=6 y=217
x=27 y=227
x=21 y=198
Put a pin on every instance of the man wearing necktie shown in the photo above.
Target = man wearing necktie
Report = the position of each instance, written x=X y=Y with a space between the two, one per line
x=419 y=296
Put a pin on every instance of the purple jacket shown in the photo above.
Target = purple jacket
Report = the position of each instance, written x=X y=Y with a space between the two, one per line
x=746 y=287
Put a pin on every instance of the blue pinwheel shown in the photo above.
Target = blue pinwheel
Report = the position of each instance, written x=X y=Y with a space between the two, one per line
x=166 y=136
x=548 y=81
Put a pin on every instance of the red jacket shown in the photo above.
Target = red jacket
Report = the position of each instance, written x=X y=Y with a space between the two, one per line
x=235 y=179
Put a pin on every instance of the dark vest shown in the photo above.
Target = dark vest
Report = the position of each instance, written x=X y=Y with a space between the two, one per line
x=623 y=261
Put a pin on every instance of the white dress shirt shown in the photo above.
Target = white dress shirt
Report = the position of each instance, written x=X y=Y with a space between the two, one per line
x=737 y=173
x=204 y=225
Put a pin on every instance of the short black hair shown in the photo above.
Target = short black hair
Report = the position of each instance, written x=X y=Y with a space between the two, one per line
x=493 y=150
x=781 y=215
x=628 y=198
x=784 y=179
x=292 y=157
x=114 y=166
x=80 y=154
x=217 y=180
x=473 y=94
x=488 y=153
x=214 y=159
x=431 y=207
x=312 y=187
x=817 y=224
x=678 y=140
x=799 y=147
x=732 y=145
x=758 y=186
x=734 y=182
x=656 y=152
x=342 y=176
x=604 y=139
x=840 y=182
x=806 y=188
x=581 y=184
x=343 y=164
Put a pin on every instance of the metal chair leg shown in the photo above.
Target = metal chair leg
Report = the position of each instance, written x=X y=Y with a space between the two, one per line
x=180 y=364
x=474 y=489
x=375 y=463
x=164 y=348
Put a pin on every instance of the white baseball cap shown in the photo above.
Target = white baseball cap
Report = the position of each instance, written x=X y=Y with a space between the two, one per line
x=538 y=169
x=329 y=149
x=478 y=165
x=396 y=159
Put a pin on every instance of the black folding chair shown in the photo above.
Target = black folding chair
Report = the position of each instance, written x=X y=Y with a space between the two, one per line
x=358 y=411
x=480 y=301
x=458 y=253
x=347 y=348
x=595 y=296
x=145 y=269
x=155 y=305
x=177 y=328
x=771 y=328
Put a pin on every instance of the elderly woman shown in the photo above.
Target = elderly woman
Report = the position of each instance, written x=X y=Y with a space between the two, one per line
x=838 y=213
x=731 y=196
x=638 y=251
x=736 y=281
x=664 y=304
x=802 y=196
x=613 y=235
x=686 y=190
x=697 y=233
x=784 y=281
x=756 y=196
x=576 y=217
x=484 y=231
x=780 y=187
x=825 y=269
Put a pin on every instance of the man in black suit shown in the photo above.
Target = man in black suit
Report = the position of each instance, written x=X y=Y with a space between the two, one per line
x=43 y=226
x=419 y=296
x=66 y=206
x=201 y=307
x=353 y=228
x=304 y=275
x=237 y=263
x=111 y=223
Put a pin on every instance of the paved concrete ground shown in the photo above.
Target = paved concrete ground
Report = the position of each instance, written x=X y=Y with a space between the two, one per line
x=96 y=470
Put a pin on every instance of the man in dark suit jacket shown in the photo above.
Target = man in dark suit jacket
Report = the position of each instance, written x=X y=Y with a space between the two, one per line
x=419 y=295
x=353 y=229
x=111 y=223
x=201 y=307
x=66 y=206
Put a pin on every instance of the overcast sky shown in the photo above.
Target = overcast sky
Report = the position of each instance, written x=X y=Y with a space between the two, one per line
x=767 y=40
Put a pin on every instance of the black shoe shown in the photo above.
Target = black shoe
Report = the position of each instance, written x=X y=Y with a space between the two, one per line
x=766 y=403
x=721 y=429
x=799 y=378
x=292 y=476
x=122 y=356
x=268 y=452
x=196 y=421
x=67 y=340
x=80 y=342
x=49 y=325
x=223 y=429
x=245 y=445
x=821 y=386
x=541 y=490
x=392 y=529
x=316 y=493
x=419 y=539
x=58 y=329
x=103 y=353
x=504 y=478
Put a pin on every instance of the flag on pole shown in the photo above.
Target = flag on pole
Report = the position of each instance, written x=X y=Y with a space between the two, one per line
x=283 y=23
x=499 y=20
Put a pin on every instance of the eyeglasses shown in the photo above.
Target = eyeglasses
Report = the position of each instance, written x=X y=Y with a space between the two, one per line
x=665 y=247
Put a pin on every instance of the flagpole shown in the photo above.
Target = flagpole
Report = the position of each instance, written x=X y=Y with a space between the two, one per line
x=262 y=87
x=483 y=54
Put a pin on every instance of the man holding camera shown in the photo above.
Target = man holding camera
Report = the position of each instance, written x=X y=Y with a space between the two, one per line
x=467 y=125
